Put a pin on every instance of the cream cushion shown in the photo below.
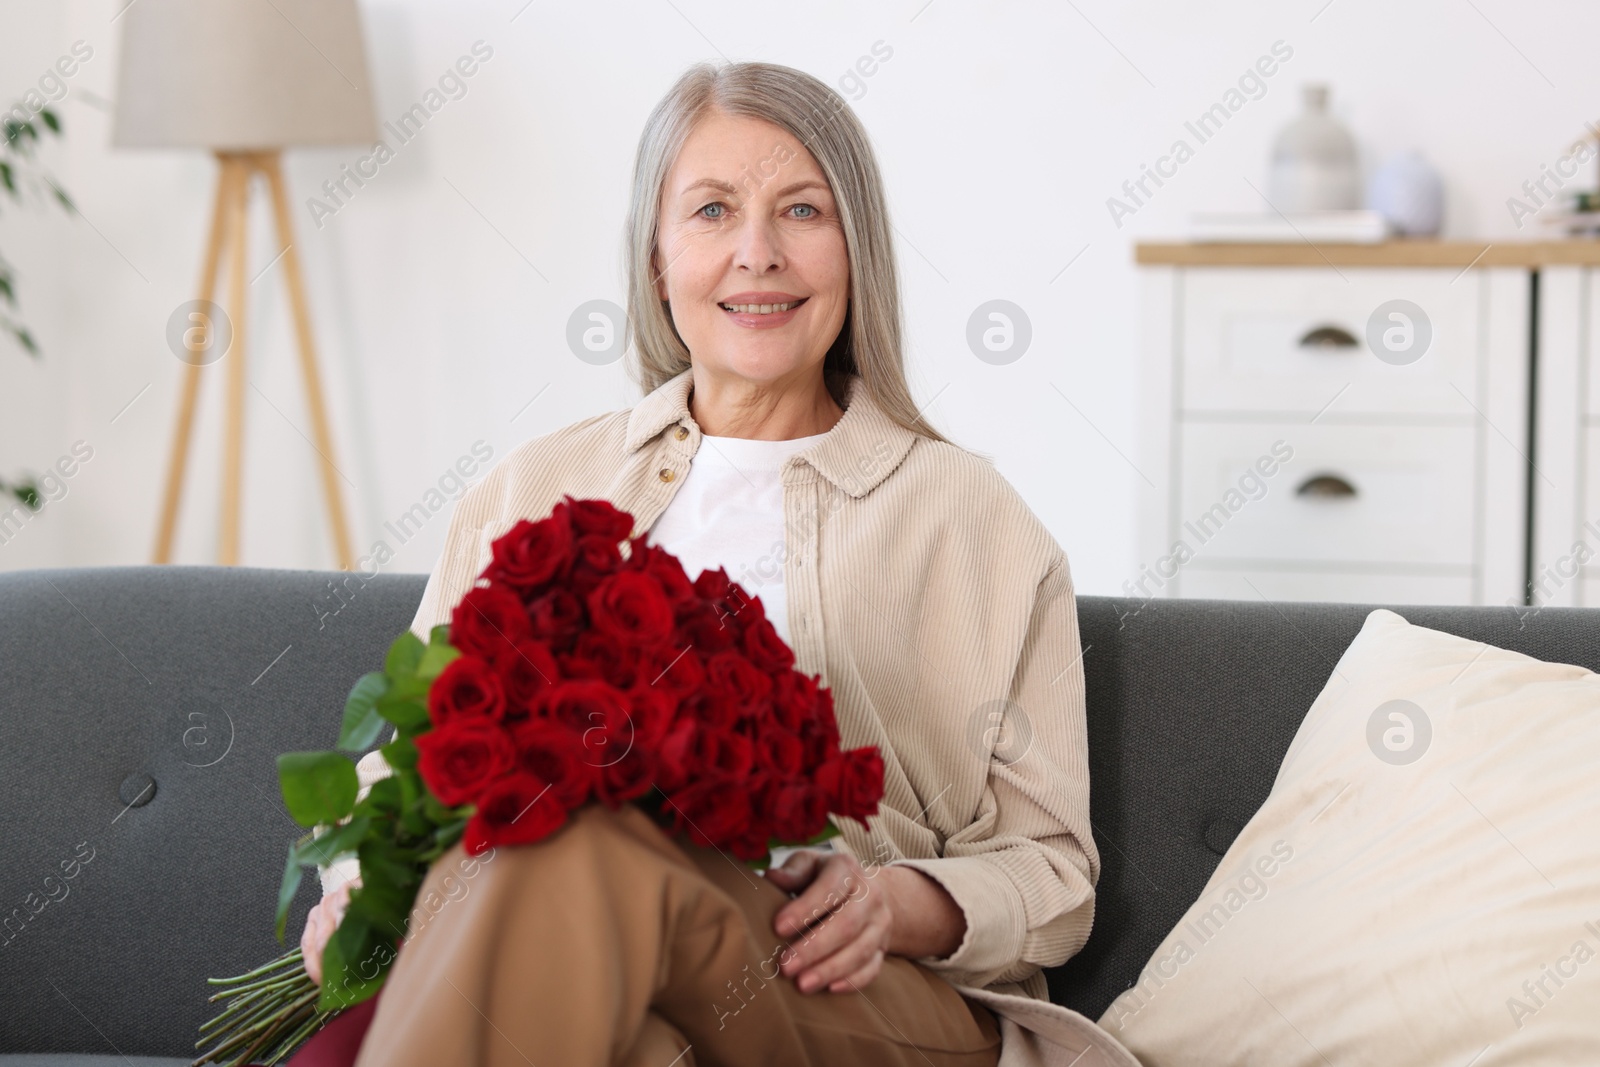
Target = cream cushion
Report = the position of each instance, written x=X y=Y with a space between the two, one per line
x=1422 y=885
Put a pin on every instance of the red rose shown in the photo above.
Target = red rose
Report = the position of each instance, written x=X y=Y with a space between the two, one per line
x=594 y=557
x=631 y=607
x=797 y=808
x=749 y=688
x=794 y=698
x=556 y=617
x=518 y=809
x=458 y=760
x=821 y=745
x=679 y=671
x=723 y=753
x=664 y=567
x=627 y=777
x=734 y=607
x=532 y=553
x=525 y=668
x=710 y=811
x=654 y=710
x=466 y=689
x=489 y=619
x=780 y=751
x=764 y=648
x=554 y=753
x=603 y=656
x=675 y=755
x=853 y=782
x=597 y=710
x=713 y=709
x=599 y=517
x=700 y=624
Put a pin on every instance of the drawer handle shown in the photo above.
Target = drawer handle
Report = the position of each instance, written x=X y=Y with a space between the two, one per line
x=1326 y=486
x=1328 y=337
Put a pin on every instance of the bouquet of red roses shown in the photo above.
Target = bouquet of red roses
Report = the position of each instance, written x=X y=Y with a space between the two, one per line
x=572 y=672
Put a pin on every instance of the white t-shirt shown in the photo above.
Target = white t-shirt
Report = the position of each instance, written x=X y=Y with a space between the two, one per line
x=729 y=513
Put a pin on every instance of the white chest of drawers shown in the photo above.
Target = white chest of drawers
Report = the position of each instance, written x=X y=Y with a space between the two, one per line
x=1304 y=437
x=1564 y=566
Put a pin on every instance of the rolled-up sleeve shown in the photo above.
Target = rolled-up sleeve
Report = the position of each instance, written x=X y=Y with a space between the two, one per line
x=1024 y=871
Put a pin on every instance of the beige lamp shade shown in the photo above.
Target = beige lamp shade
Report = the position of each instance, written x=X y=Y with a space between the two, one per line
x=242 y=75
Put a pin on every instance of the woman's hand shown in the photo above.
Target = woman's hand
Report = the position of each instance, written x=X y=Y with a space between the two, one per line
x=847 y=919
x=321 y=922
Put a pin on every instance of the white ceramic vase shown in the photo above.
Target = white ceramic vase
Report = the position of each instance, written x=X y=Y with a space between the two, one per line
x=1314 y=161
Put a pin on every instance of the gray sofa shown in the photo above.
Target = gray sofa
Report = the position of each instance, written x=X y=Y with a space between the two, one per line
x=142 y=708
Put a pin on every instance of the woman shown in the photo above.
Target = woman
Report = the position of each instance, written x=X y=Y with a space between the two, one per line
x=778 y=439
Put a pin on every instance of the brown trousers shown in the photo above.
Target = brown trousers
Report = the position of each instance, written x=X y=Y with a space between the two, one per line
x=609 y=943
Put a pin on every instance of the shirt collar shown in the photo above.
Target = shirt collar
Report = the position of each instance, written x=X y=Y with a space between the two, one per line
x=857 y=454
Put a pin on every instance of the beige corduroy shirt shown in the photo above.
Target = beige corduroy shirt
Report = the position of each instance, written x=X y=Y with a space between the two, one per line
x=939 y=610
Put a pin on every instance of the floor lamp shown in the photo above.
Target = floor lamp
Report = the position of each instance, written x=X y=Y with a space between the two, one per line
x=245 y=80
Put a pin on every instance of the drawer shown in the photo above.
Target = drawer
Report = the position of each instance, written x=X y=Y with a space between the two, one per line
x=1291 y=340
x=1348 y=494
x=1345 y=588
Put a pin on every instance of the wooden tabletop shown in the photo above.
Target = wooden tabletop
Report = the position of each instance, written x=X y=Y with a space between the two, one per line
x=1396 y=253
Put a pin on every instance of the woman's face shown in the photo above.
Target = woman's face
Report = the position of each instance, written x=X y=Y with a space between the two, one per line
x=748 y=219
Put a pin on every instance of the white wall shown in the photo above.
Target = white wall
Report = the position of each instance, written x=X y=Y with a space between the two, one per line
x=1002 y=129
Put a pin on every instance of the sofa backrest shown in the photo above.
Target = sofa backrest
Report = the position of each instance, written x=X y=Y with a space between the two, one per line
x=196 y=677
x=119 y=899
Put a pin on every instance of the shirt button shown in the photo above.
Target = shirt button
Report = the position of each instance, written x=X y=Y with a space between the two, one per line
x=666 y=474
x=683 y=431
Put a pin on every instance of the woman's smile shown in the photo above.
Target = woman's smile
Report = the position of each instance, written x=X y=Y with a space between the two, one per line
x=761 y=310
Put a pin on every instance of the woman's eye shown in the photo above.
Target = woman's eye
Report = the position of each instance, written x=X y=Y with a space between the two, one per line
x=708 y=207
x=806 y=207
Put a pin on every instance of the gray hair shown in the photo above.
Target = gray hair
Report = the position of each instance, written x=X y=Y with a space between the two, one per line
x=869 y=343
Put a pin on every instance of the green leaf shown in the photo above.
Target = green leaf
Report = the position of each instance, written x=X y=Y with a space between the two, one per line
x=354 y=962
x=362 y=723
x=51 y=120
x=408 y=714
x=7 y=178
x=401 y=755
x=61 y=195
x=288 y=888
x=345 y=838
x=386 y=862
x=404 y=655
x=384 y=902
x=439 y=635
x=436 y=659
x=383 y=799
x=436 y=812
x=318 y=787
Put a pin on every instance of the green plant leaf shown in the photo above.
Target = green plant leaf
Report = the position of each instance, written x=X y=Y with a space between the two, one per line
x=7 y=178
x=51 y=120
x=387 y=862
x=288 y=888
x=344 y=838
x=362 y=723
x=383 y=799
x=318 y=787
x=385 y=903
x=436 y=659
x=407 y=713
x=404 y=655
x=401 y=755
x=353 y=963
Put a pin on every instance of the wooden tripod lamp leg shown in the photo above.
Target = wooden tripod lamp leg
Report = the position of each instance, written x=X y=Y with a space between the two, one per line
x=228 y=176
x=233 y=426
x=269 y=162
